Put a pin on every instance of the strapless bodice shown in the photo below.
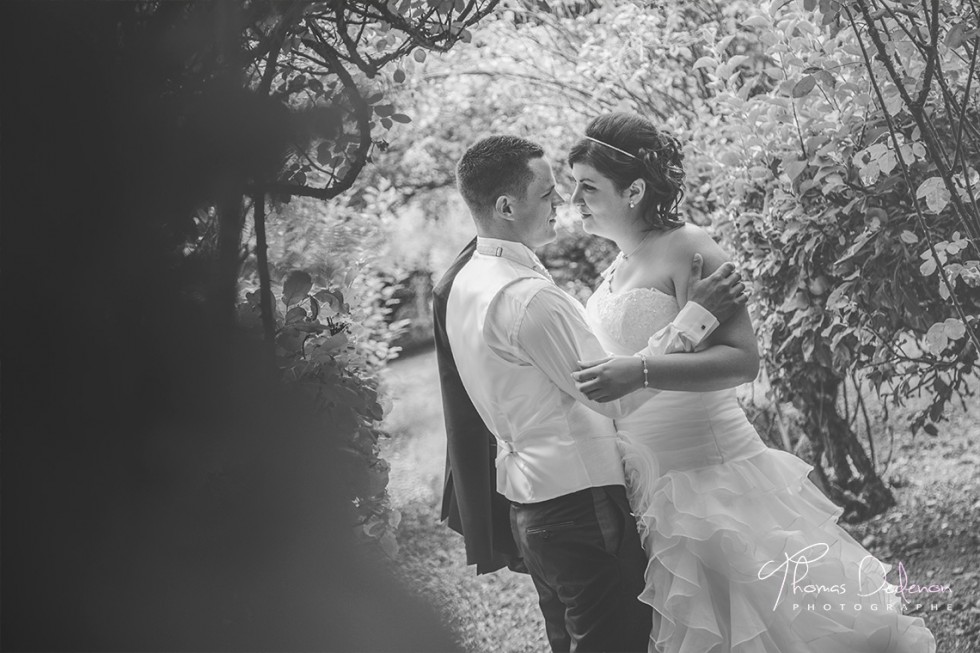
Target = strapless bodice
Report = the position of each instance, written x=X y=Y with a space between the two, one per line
x=625 y=321
x=687 y=430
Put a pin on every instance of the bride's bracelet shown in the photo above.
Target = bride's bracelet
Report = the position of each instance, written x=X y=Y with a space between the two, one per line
x=646 y=378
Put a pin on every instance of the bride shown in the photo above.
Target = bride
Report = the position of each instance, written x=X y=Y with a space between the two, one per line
x=745 y=553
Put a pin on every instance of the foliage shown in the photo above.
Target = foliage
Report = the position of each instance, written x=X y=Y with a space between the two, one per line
x=524 y=72
x=823 y=158
x=322 y=62
x=289 y=103
x=168 y=454
x=320 y=351
x=845 y=198
x=333 y=60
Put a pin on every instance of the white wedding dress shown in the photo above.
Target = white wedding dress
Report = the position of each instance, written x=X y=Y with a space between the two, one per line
x=715 y=507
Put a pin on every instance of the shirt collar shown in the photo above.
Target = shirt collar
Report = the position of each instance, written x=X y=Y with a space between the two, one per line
x=511 y=250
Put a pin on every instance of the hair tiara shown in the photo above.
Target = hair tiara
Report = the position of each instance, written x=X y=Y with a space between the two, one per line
x=596 y=140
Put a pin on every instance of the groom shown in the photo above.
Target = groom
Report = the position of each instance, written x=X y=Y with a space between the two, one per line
x=534 y=479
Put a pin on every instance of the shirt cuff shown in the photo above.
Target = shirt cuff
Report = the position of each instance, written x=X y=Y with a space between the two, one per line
x=695 y=322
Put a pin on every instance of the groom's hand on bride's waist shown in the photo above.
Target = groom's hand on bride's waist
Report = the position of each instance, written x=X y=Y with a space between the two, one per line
x=720 y=292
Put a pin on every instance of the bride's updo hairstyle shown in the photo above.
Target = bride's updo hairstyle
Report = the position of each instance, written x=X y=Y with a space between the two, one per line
x=653 y=156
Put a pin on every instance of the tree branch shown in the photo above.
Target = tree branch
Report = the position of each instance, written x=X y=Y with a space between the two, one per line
x=277 y=38
x=262 y=260
x=908 y=178
x=932 y=54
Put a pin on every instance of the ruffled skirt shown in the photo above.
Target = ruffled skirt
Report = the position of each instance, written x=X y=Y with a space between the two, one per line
x=746 y=556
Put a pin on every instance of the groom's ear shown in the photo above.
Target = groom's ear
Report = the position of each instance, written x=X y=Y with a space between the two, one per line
x=504 y=207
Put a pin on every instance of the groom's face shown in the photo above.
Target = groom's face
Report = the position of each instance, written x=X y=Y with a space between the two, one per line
x=535 y=214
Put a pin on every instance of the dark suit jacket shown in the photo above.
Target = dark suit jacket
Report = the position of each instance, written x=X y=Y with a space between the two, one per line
x=470 y=499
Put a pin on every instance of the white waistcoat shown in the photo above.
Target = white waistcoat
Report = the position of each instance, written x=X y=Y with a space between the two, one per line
x=548 y=444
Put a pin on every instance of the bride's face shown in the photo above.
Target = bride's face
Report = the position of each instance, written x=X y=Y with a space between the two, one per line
x=601 y=206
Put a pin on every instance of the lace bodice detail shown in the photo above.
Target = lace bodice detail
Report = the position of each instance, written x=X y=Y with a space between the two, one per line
x=625 y=321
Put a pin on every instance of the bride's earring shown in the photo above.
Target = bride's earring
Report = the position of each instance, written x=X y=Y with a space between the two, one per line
x=632 y=204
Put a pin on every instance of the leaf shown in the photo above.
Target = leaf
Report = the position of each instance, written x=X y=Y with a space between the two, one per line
x=374 y=482
x=809 y=5
x=826 y=78
x=955 y=37
x=704 y=62
x=804 y=86
x=335 y=342
x=384 y=110
x=296 y=287
x=291 y=339
x=909 y=237
x=793 y=168
x=887 y=162
x=954 y=328
x=935 y=340
x=928 y=267
x=389 y=544
x=330 y=302
x=386 y=123
x=399 y=76
x=756 y=21
x=419 y=55
x=935 y=194
x=796 y=301
x=401 y=117
x=838 y=298
x=808 y=345
x=295 y=314
x=323 y=153
x=737 y=61
x=374 y=527
x=776 y=6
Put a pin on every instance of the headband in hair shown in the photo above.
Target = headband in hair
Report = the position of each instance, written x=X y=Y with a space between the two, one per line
x=596 y=140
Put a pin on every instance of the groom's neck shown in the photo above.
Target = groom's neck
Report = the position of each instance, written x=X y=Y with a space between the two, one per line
x=501 y=234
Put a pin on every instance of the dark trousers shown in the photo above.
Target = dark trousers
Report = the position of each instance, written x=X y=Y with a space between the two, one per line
x=585 y=557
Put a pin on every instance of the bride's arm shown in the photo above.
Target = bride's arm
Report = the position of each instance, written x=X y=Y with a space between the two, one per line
x=732 y=357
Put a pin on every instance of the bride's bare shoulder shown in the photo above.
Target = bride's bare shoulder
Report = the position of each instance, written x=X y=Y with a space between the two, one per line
x=686 y=241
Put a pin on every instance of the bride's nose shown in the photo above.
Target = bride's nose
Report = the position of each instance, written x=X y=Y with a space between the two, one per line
x=576 y=195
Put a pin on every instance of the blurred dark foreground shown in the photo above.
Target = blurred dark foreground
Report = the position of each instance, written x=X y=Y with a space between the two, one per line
x=159 y=489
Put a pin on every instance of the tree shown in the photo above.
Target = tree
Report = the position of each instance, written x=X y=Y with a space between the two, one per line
x=163 y=488
x=794 y=160
x=839 y=181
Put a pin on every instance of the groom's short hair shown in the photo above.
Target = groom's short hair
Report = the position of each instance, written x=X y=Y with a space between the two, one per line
x=495 y=166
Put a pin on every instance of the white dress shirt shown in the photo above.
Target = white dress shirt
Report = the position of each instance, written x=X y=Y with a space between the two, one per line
x=516 y=337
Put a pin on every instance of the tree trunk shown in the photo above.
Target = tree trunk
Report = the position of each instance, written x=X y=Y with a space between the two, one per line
x=855 y=484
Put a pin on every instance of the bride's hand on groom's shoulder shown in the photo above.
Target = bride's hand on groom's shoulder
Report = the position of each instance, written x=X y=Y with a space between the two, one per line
x=609 y=378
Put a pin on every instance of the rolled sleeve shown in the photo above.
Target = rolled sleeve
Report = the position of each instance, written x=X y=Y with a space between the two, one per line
x=553 y=335
x=692 y=325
